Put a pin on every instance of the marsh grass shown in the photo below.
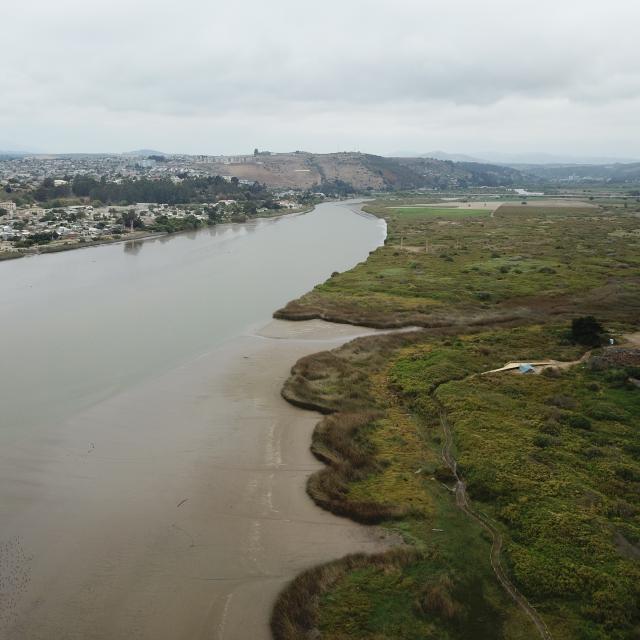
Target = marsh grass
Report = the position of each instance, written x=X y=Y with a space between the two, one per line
x=551 y=459
x=296 y=612
x=524 y=264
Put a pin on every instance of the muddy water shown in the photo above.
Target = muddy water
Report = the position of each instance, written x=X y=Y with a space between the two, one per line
x=80 y=326
x=168 y=503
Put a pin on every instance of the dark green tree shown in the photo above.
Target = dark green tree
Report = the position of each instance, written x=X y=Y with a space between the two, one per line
x=587 y=330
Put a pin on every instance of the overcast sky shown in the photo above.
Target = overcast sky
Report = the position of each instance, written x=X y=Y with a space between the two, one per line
x=206 y=76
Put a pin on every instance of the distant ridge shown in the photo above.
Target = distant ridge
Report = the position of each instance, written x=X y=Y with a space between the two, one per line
x=550 y=158
x=145 y=152
x=511 y=159
x=437 y=155
x=15 y=153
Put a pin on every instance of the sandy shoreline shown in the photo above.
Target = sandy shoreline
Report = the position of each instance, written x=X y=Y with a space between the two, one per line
x=175 y=510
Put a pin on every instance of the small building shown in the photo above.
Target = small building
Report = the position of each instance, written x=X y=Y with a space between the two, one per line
x=525 y=367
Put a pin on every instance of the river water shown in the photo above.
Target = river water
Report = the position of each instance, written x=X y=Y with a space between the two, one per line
x=151 y=478
x=79 y=326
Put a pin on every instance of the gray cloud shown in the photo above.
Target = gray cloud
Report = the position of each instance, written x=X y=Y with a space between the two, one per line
x=222 y=77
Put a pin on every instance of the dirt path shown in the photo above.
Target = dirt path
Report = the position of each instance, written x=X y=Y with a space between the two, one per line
x=462 y=501
x=633 y=338
x=541 y=364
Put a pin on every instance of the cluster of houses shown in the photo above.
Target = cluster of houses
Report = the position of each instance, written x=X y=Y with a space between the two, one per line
x=82 y=221
x=85 y=222
x=24 y=173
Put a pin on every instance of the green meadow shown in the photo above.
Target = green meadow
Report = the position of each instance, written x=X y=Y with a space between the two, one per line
x=439 y=212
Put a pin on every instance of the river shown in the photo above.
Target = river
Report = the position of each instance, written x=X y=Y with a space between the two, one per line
x=151 y=478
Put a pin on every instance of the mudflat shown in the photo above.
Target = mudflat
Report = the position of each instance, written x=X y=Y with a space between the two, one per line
x=176 y=509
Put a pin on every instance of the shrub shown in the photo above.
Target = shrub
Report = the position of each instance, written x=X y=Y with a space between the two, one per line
x=628 y=474
x=551 y=427
x=562 y=401
x=542 y=441
x=578 y=421
x=436 y=599
x=586 y=330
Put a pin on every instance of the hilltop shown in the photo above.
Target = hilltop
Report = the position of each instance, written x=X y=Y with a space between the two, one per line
x=362 y=171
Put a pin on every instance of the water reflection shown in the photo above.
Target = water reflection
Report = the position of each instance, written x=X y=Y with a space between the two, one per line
x=133 y=246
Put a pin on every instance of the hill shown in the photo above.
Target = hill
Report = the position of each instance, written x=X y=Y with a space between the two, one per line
x=616 y=173
x=302 y=170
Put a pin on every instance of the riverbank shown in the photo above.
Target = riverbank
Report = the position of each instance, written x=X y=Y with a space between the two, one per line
x=136 y=236
x=151 y=475
x=201 y=555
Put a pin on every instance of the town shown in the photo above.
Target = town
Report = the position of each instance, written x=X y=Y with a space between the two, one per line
x=47 y=203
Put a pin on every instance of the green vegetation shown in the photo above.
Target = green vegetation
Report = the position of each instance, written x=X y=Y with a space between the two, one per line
x=10 y=255
x=440 y=212
x=551 y=461
x=523 y=264
x=130 y=191
x=587 y=330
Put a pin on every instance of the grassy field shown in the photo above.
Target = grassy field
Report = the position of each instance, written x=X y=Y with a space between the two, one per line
x=438 y=212
x=523 y=264
x=552 y=461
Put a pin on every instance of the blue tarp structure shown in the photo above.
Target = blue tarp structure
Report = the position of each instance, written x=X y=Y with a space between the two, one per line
x=526 y=368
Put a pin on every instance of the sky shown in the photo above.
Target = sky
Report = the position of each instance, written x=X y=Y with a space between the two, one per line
x=212 y=77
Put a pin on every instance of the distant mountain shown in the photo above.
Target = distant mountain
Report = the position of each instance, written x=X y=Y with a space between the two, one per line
x=515 y=159
x=437 y=155
x=444 y=174
x=611 y=173
x=550 y=158
x=144 y=153
x=14 y=154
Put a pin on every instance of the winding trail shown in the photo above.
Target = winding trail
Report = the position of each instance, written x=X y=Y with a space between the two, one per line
x=462 y=501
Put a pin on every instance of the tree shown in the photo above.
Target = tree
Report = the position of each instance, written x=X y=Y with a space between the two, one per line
x=130 y=219
x=587 y=330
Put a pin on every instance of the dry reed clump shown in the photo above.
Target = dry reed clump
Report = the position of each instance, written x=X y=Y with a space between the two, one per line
x=337 y=383
x=326 y=383
x=338 y=380
x=436 y=599
x=295 y=614
x=338 y=441
x=350 y=313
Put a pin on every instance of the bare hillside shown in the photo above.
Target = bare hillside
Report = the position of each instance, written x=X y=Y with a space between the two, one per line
x=301 y=170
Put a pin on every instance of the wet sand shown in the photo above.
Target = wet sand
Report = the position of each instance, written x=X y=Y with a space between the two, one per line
x=175 y=510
